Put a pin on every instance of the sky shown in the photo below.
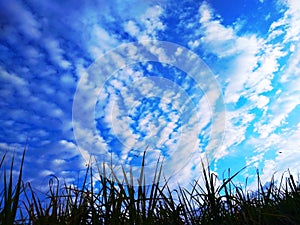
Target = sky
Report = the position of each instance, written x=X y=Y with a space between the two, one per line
x=183 y=81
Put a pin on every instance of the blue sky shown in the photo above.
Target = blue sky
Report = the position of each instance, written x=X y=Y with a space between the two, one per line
x=223 y=83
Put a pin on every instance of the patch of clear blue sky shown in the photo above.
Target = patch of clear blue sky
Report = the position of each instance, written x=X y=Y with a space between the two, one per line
x=256 y=15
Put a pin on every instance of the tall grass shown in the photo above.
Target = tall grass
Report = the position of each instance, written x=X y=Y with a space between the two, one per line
x=10 y=193
x=105 y=198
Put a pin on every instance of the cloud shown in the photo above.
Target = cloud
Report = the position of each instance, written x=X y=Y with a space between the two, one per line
x=132 y=28
x=253 y=61
x=139 y=111
x=151 y=20
x=286 y=101
x=43 y=60
x=55 y=52
x=277 y=133
x=17 y=17
x=148 y=25
x=251 y=65
x=101 y=41
x=285 y=159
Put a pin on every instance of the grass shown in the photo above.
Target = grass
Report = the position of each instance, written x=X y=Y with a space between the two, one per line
x=10 y=194
x=104 y=198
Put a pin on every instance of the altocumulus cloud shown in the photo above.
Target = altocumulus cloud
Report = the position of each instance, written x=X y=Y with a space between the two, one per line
x=47 y=48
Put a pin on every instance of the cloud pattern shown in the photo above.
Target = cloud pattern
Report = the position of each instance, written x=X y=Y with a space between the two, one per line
x=48 y=48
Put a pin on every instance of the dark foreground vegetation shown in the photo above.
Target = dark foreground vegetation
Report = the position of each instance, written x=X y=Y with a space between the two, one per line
x=114 y=201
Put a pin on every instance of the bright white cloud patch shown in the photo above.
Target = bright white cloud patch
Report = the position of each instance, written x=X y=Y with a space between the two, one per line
x=137 y=109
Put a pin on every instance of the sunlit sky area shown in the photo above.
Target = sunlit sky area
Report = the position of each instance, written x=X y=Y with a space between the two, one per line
x=184 y=81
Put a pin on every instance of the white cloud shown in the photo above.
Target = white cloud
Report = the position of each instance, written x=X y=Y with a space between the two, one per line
x=132 y=28
x=147 y=26
x=56 y=52
x=21 y=18
x=261 y=101
x=287 y=155
x=291 y=20
x=288 y=100
x=13 y=79
x=101 y=41
x=160 y=131
x=152 y=21
x=205 y=12
x=253 y=63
